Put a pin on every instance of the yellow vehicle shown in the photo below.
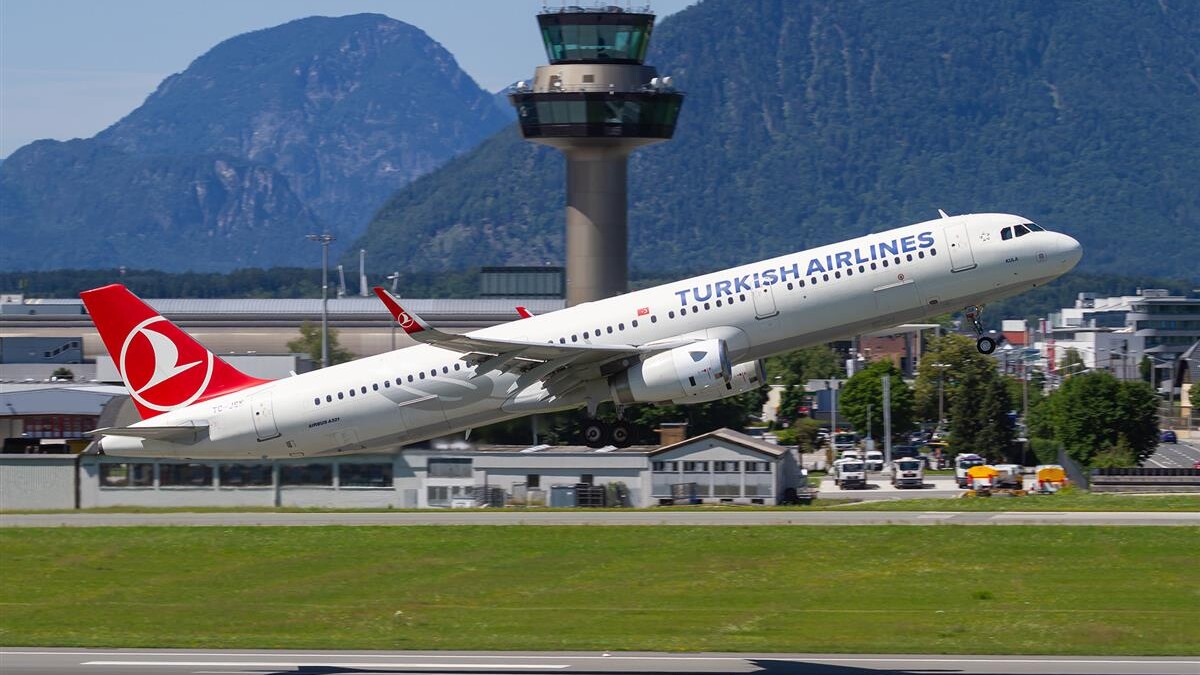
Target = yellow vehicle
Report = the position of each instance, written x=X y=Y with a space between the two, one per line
x=1049 y=478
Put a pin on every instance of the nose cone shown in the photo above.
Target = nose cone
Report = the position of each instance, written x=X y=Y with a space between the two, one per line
x=1068 y=251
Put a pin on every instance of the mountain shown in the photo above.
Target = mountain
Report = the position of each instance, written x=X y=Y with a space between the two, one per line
x=807 y=122
x=329 y=116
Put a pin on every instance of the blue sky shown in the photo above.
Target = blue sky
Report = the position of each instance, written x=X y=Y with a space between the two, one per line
x=69 y=68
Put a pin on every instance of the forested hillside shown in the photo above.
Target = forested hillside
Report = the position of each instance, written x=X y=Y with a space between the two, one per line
x=810 y=121
x=309 y=126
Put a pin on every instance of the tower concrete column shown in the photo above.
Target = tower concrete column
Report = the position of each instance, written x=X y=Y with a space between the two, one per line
x=597 y=239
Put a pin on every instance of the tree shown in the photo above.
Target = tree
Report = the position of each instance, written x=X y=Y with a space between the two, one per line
x=1072 y=363
x=1097 y=418
x=957 y=356
x=865 y=390
x=1146 y=369
x=1194 y=397
x=309 y=343
x=979 y=420
x=800 y=365
x=793 y=398
x=62 y=373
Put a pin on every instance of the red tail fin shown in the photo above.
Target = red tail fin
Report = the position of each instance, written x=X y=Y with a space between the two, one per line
x=163 y=367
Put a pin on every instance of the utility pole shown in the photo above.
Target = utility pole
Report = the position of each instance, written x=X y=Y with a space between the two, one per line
x=941 y=397
x=887 y=420
x=324 y=239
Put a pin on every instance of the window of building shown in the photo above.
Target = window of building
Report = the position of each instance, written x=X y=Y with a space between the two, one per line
x=185 y=475
x=587 y=478
x=306 y=474
x=127 y=475
x=694 y=467
x=533 y=480
x=365 y=475
x=449 y=467
x=245 y=475
x=727 y=479
x=665 y=467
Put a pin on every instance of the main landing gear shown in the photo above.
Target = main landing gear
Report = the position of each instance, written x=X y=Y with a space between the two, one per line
x=597 y=433
x=984 y=344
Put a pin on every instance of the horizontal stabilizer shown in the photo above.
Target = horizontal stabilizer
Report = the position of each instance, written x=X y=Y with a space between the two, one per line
x=182 y=434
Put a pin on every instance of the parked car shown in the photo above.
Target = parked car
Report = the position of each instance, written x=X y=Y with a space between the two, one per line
x=1167 y=436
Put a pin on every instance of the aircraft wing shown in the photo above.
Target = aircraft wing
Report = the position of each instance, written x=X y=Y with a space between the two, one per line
x=187 y=435
x=575 y=353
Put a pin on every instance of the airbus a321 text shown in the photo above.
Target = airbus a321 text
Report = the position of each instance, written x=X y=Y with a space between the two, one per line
x=695 y=340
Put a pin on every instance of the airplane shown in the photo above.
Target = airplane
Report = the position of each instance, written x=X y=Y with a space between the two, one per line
x=695 y=340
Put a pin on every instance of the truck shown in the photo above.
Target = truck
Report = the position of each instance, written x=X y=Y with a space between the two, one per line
x=981 y=480
x=962 y=463
x=849 y=474
x=874 y=460
x=1009 y=477
x=908 y=472
x=844 y=440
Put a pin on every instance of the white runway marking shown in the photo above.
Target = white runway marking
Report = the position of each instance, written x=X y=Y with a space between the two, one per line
x=312 y=664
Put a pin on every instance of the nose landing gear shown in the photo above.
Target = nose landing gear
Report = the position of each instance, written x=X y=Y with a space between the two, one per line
x=984 y=344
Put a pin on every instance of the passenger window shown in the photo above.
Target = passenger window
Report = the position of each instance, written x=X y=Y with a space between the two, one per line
x=1006 y=233
x=585 y=335
x=445 y=369
x=341 y=396
x=410 y=378
x=387 y=384
x=633 y=324
x=457 y=365
x=620 y=326
x=610 y=327
x=707 y=306
x=317 y=401
x=1021 y=230
x=364 y=389
x=351 y=393
x=670 y=315
x=421 y=374
x=653 y=318
x=683 y=311
x=374 y=386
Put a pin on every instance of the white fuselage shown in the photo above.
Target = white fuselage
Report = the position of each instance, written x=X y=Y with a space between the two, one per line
x=420 y=392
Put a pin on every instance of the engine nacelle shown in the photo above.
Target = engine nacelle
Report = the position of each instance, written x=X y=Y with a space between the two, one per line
x=681 y=374
x=744 y=377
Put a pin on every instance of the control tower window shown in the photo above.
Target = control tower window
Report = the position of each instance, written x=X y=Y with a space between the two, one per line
x=594 y=38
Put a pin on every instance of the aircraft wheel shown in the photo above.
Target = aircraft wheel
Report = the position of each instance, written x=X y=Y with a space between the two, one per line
x=620 y=434
x=595 y=433
x=985 y=345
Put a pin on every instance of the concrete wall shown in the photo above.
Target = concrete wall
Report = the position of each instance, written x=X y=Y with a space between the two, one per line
x=37 y=481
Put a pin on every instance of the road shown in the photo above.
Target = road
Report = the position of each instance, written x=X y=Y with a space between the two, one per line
x=879 y=487
x=583 y=517
x=1182 y=455
x=15 y=661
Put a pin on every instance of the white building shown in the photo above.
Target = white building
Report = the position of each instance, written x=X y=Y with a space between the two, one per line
x=723 y=466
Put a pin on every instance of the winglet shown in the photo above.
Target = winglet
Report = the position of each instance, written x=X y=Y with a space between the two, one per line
x=411 y=323
x=524 y=312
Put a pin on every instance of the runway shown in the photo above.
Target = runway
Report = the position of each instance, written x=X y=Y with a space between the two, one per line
x=16 y=661
x=583 y=517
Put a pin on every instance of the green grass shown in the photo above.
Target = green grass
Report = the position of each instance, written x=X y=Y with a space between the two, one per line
x=1074 y=500
x=1004 y=590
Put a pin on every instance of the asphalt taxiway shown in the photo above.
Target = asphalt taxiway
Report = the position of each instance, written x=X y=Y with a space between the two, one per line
x=383 y=518
x=17 y=661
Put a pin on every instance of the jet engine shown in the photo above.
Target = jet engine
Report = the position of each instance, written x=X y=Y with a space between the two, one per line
x=690 y=374
x=744 y=377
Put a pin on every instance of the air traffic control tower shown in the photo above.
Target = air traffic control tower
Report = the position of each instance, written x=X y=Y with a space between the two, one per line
x=597 y=102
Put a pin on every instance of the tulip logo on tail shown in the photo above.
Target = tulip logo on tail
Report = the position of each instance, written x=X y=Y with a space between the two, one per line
x=157 y=375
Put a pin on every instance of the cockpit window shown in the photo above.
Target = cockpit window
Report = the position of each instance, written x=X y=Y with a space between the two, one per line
x=1021 y=230
x=1035 y=227
x=1006 y=233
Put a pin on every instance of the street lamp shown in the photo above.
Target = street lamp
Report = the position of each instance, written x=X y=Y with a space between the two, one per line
x=941 y=397
x=324 y=239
